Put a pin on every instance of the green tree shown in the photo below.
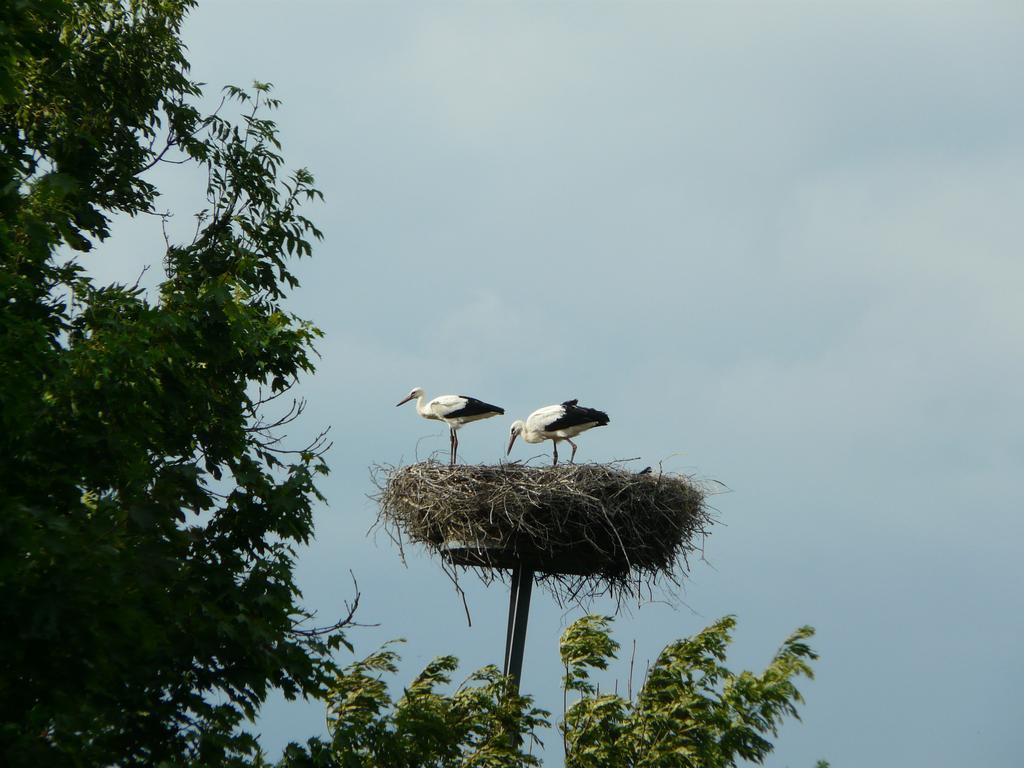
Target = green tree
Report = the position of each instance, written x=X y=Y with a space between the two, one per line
x=483 y=723
x=690 y=711
x=148 y=515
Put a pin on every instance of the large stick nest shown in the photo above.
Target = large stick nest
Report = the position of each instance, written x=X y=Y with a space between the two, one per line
x=585 y=529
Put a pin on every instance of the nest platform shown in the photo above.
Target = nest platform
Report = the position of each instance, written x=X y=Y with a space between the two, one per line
x=584 y=529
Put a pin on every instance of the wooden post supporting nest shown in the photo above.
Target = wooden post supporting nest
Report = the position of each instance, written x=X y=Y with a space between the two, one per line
x=518 y=615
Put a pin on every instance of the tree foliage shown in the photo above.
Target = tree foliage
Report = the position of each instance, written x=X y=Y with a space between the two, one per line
x=481 y=724
x=689 y=712
x=148 y=514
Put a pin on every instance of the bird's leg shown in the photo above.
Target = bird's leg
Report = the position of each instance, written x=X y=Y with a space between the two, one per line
x=554 y=448
x=455 y=455
x=573 y=457
x=453 y=447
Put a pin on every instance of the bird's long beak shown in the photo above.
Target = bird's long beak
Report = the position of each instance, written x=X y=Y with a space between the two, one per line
x=406 y=400
x=510 y=441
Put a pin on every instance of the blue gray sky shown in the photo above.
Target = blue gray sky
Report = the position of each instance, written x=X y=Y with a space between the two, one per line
x=780 y=243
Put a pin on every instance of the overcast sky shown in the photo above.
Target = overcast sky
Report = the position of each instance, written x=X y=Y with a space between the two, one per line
x=780 y=244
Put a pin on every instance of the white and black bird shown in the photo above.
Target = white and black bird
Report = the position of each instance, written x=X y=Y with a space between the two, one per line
x=453 y=410
x=557 y=422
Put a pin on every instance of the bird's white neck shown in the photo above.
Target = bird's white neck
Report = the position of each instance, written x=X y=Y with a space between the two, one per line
x=421 y=405
x=531 y=436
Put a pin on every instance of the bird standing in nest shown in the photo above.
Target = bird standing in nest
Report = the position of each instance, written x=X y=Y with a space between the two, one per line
x=453 y=410
x=557 y=422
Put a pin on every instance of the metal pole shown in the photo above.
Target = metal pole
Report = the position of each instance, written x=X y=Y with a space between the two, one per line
x=518 y=614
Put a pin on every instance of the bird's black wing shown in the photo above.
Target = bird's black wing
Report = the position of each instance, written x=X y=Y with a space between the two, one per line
x=576 y=415
x=474 y=407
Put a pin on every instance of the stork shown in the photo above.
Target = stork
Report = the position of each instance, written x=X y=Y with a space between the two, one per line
x=557 y=422
x=453 y=410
